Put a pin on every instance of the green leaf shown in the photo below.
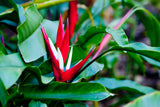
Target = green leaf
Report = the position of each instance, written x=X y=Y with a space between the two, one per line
x=152 y=28
x=37 y=104
x=75 y=104
x=3 y=94
x=78 y=54
x=11 y=67
x=118 y=35
x=151 y=61
x=121 y=39
x=37 y=73
x=149 y=100
x=31 y=42
x=139 y=48
x=128 y=85
x=2 y=49
x=66 y=91
x=19 y=9
x=93 y=35
x=46 y=67
x=90 y=71
x=138 y=60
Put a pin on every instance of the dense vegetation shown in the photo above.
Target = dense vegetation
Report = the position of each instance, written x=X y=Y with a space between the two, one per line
x=69 y=53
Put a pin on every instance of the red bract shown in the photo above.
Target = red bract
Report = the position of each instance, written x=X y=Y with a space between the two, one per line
x=73 y=16
x=60 y=53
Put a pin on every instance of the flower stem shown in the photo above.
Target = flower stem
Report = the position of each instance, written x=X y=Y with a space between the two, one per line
x=88 y=11
x=40 y=5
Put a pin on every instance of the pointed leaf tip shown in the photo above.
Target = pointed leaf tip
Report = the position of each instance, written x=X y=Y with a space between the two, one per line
x=65 y=44
x=60 y=33
x=73 y=16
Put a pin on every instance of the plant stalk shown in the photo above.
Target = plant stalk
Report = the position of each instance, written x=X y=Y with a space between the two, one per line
x=39 y=5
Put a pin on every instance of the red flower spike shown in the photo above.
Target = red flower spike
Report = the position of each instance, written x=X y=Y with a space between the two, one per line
x=60 y=33
x=60 y=53
x=53 y=58
x=68 y=74
x=73 y=16
x=65 y=45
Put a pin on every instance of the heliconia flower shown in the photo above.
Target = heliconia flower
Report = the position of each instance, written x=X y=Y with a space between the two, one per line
x=59 y=54
x=107 y=37
x=73 y=16
x=2 y=40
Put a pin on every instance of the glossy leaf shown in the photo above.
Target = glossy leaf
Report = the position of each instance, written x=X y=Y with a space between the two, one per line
x=139 y=48
x=128 y=85
x=93 y=36
x=149 y=100
x=151 y=61
x=46 y=67
x=3 y=94
x=2 y=49
x=152 y=28
x=90 y=71
x=121 y=39
x=11 y=67
x=31 y=42
x=66 y=91
x=19 y=9
x=37 y=73
x=118 y=35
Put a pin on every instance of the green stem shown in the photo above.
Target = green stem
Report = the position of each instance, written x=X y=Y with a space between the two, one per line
x=88 y=11
x=39 y=5
x=50 y=3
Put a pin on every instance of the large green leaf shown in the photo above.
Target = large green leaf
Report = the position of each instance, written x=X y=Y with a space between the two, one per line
x=11 y=67
x=19 y=9
x=66 y=91
x=36 y=72
x=151 y=61
x=114 y=84
x=2 y=49
x=152 y=28
x=3 y=94
x=93 y=35
x=151 y=25
x=121 y=39
x=46 y=67
x=149 y=100
x=90 y=71
x=138 y=48
x=31 y=42
x=118 y=35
